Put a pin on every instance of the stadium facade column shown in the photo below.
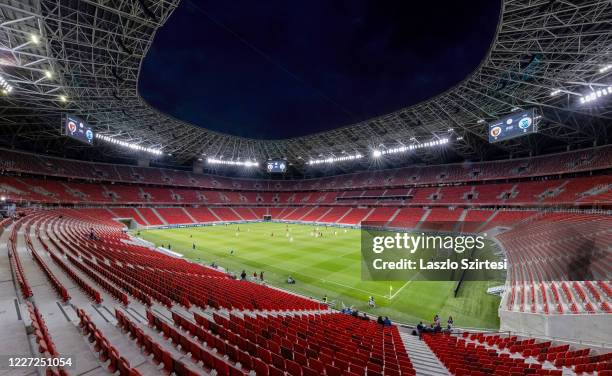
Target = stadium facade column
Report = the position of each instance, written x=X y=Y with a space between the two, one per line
x=197 y=167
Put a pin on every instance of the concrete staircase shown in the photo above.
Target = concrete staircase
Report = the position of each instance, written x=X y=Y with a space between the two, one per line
x=189 y=215
x=423 y=219
x=162 y=219
x=423 y=359
x=392 y=218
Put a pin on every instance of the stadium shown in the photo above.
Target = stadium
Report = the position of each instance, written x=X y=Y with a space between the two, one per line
x=146 y=228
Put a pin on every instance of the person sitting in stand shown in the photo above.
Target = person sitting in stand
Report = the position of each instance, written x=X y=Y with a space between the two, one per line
x=436 y=327
x=380 y=320
x=420 y=328
x=387 y=322
x=243 y=275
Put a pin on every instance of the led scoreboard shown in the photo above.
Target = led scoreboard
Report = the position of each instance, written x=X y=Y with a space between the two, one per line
x=276 y=166
x=514 y=125
x=76 y=128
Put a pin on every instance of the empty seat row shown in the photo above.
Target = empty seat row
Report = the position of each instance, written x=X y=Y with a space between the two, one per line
x=106 y=351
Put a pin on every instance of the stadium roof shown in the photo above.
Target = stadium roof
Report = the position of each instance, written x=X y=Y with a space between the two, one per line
x=83 y=57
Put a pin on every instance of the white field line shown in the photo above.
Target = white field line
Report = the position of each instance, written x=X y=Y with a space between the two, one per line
x=353 y=288
x=400 y=289
x=403 y=286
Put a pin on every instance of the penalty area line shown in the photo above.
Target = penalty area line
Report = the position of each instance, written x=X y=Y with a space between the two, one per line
x=401 y=288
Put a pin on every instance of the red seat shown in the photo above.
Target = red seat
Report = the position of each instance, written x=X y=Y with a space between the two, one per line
x=332 y=371
x=260 y=367
x=317 y=365
x=221 y=367
x=264 y=355
x=309 y=372
x=168 y=362
x=293 y=368
x=273 y=371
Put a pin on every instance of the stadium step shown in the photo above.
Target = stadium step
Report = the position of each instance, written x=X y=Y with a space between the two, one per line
x=460 y=220
x=144 y=220
x=423 y=219
x=392 y=218
x=423 y=359
x=159 y=216
x=189 y=215
x=236 y=213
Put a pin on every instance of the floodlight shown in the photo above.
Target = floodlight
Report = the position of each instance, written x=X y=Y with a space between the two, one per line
x=216 y=161
x=595 y=95
x=605 y=68
x=6 y=87
x=129 y=145
x=331 y=160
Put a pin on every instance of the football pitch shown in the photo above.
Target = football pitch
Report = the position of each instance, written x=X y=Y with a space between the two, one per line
x=328 y=265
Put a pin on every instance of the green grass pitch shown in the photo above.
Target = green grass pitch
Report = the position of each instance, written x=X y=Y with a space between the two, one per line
x=328 y=265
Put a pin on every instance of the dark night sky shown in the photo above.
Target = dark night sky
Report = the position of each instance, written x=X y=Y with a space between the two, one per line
x=277 y=69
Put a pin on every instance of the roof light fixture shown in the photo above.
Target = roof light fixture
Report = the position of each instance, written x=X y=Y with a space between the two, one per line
x=129 y=145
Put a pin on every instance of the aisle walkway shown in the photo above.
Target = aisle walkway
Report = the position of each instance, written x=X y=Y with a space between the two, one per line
x=423 y=359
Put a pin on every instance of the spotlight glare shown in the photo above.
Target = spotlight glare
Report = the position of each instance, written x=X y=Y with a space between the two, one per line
x=403 y=148
x=215 y=161
x=331 y=160
x=6 y=87
x=594 y=95
x=129 y=145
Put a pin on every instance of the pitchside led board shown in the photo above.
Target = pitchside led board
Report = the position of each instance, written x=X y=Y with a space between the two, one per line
x=76 y=128
x=276 y=166
x=514 y=125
